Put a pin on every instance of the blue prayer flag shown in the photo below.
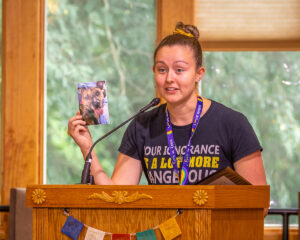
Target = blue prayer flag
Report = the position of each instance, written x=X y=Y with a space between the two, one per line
x=72 y=227
x=146 y=235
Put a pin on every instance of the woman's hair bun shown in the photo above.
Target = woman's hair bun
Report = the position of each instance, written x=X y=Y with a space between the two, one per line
x=184 y=35
x=188 y=29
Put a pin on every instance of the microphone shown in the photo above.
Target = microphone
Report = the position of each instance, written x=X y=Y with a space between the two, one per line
x=153 y=103
x=86 y=178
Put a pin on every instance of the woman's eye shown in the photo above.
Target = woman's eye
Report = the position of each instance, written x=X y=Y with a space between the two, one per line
x=179 y=70
x=161 y=70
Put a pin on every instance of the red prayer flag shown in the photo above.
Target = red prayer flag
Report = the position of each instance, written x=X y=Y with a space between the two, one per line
x=120 y=236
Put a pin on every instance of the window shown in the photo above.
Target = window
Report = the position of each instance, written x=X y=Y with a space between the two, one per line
x=262 y=85
x=90 y=41
x=241 y=25
x=265 y=86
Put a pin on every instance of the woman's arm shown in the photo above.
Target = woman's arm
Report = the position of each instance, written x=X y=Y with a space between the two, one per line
x=127 y=170
x=252 y=169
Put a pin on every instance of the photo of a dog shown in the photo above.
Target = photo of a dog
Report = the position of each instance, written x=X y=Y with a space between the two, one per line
x=93 y=102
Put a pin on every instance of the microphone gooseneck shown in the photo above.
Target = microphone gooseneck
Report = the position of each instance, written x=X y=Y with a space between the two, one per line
x=85 y=176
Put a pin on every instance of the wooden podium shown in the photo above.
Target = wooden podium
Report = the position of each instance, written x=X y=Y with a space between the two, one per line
x=208 y=212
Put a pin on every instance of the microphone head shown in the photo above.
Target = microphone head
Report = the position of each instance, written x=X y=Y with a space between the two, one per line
x=155 y=101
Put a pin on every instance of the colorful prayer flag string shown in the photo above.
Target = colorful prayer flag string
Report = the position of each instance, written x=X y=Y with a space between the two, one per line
x=73 y=228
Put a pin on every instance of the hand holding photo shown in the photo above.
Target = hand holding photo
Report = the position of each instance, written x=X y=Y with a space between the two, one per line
x=93 y=103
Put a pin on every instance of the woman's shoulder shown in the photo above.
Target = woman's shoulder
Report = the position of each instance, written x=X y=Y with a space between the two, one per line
x=151 y=116
x=226 y=114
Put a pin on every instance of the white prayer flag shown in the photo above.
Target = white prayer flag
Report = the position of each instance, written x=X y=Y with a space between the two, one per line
x=94 y=234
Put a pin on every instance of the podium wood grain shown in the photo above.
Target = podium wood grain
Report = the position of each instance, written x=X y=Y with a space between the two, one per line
x=231 y=212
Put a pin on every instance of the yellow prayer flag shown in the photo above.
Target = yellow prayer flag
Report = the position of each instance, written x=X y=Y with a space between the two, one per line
x=170 y=229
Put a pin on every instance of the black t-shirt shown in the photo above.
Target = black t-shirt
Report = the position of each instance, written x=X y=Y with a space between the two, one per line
x=222 y=137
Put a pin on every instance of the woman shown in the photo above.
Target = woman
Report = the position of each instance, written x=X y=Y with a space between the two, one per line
x=186 y=139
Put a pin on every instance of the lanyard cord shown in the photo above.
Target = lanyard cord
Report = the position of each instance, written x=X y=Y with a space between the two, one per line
x=183 y=174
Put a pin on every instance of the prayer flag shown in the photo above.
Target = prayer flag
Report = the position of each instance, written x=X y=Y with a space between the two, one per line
x=170 y=229
x=72 y=227
x=146 y=235
x=120 y=236
x=94 y=234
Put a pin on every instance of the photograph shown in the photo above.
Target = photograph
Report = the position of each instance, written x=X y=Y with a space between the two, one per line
x=93 y=103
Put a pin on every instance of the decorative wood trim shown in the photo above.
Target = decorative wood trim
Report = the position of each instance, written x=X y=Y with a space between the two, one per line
x=182 y=196
x=200 y=197
x=118 y=197
x=38 y=196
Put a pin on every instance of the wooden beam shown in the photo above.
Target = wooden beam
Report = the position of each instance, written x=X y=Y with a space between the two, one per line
x=22 y=97
x=169 y=12
x=22 y=94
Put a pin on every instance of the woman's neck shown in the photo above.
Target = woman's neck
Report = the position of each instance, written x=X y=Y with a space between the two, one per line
x=183 y=114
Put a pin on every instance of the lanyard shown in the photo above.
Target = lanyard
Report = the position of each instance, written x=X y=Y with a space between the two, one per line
x=172 y=148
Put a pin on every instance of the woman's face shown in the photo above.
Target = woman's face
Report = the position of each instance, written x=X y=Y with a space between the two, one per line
x=176 y=74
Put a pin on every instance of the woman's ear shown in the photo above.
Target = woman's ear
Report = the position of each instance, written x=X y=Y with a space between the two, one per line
x=199 y=73
x=153 y=68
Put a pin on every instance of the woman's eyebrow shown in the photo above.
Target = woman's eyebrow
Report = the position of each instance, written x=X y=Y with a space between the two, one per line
x=181 y=61
x=159 y=61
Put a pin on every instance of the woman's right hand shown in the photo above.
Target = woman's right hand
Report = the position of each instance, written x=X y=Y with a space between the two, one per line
x=78 y=130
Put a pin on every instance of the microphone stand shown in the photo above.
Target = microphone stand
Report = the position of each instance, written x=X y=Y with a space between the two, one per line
x=86 y=178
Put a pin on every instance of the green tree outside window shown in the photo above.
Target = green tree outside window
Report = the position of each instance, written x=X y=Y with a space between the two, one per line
x=90 y=41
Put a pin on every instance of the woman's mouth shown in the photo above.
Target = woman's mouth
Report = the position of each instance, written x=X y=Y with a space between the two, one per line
x=171 y=89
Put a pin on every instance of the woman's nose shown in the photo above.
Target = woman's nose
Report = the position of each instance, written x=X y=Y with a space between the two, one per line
x=170 y=76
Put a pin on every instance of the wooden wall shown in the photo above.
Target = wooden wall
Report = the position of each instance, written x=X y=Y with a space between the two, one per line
x=22 y=99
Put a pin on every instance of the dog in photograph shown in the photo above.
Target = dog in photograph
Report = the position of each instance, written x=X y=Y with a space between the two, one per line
x=91 y=104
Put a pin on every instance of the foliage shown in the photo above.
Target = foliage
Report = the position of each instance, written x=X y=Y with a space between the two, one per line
x=90 y=41
x=265 y=87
